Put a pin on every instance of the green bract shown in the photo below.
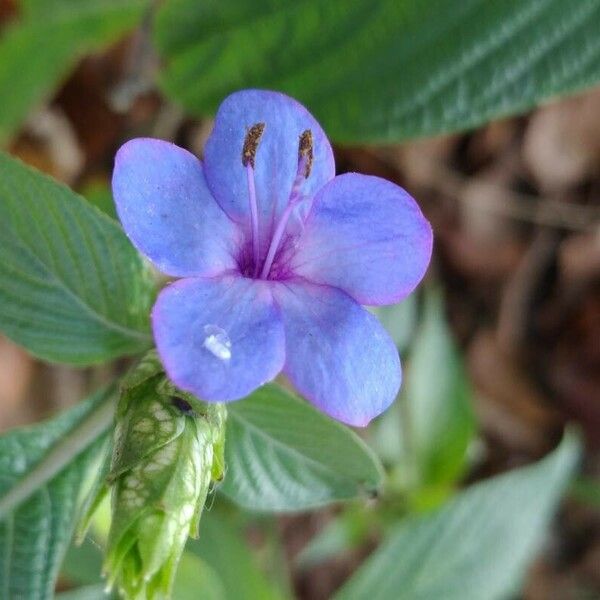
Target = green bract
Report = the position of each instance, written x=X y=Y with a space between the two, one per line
x=166 y=454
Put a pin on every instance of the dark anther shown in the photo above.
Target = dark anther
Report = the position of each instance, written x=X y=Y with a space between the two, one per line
x=182 y=405
x=305 y=151
x=251 y=144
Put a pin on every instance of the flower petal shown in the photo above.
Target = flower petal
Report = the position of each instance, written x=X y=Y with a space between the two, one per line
x=366 y=236
x=168 y=211
x=338 y=355
x=276 y=161
x=219 y=338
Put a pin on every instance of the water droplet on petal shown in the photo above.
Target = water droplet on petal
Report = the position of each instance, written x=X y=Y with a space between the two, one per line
x=217 y=342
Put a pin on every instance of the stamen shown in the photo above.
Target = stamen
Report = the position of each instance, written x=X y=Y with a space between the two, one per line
x=305 y=152
x=248 y=158
x=253 y=215
x=251 y=144
x=274 y=245
x=305 y=159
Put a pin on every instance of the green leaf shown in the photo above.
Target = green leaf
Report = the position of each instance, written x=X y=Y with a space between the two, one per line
x=45 y=472
x=384 y=70
x=399 y=320
x=347 y=531
x=87 y=592
x=99 y=195
x=196 y=579
x=283 y=455
x=82 y=563
x=72 y=288
x=586 y=491
x=478 y=546
x=40 y=50
x=439 y=422
x=222 y=547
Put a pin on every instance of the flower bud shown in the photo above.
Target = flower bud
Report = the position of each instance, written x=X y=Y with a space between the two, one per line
x=168 y=448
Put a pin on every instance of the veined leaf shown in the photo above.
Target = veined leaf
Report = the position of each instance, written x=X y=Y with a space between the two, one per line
x=283 y=455
x=478 y=546
x=38 y=51
x=383 y=70
x=45 y=471
x=72 y=288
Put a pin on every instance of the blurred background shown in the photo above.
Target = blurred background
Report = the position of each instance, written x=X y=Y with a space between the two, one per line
x=510 y=314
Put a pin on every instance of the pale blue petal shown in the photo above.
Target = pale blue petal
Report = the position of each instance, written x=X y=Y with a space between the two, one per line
x=366 y=236
x=276 y=160
x=168 y=212
x=337 y=354
x=219 y=338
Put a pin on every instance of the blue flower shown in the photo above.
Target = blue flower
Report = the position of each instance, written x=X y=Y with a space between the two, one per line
x=275 y=255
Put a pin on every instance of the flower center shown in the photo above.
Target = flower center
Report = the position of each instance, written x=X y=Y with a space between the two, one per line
x=305 y=159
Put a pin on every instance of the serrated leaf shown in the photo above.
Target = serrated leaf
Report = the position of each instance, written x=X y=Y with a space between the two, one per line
x=72 y=288
x=45 y=471
x=38 y=51
x=283 y=455
x=384 y=70
x=478 y=546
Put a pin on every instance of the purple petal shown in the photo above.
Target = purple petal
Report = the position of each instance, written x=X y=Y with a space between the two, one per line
x=168 y=211
x=337 y=354
x=276 y=159
x=219 y=338
x=366 y=236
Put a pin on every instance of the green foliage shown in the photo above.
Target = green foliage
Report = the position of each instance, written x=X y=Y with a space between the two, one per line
x=477 y=546
x=162 y=465
x=38 y=51
x=438 y=417
x=424 y=437
x=384 y=70
x=99 y=195
x=82 y=564
x=399 y=320
x=196 y=579
x=223 y=548
x=72 y=288
x=219 y=564
x=87 y=592
x=347 y=531
x=45 y=471
x=586 y=491
x=283 y=455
